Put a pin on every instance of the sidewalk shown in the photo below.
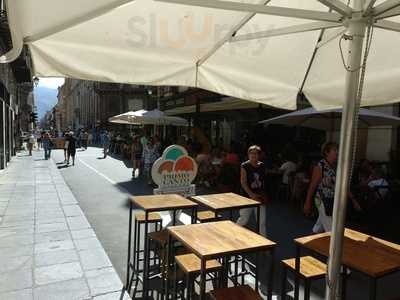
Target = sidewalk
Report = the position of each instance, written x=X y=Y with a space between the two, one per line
x=48 y=249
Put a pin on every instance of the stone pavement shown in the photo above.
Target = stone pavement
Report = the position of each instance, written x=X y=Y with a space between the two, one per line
x=48 y=249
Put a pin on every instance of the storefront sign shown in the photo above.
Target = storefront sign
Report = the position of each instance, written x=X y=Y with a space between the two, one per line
x=174 y=172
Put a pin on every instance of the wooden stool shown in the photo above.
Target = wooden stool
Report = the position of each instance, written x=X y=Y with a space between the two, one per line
x=310 y=269
x=190 y=265
x=160 y=237
x=207 y=216
x=242 y=292
x=153 y=218
x=158 y=241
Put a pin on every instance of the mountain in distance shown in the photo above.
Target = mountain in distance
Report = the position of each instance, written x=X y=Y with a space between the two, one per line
x=45 y=99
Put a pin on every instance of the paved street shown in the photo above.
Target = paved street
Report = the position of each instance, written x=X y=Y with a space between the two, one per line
x=45 y=239
x=48 y=249
x=102 y=187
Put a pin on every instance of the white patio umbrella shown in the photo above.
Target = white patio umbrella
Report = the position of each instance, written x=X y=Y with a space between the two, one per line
x=145 y=117
x=125 y=118
x=329 y=120
x=260 y=50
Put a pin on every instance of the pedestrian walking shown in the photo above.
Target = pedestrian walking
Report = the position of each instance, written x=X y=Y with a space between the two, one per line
x=78 y=139
x=90 y=139
x=136 y=155
x=143 y=141
x=31 y=142
x=39 y=140
x=84 y=139
x=66 y=142
x=149 y=157
x=71 y=148
x=105 y=142
x=96 y=136
x=252 y=179
x=47 y=145
x=157 y=145
x=322 y=188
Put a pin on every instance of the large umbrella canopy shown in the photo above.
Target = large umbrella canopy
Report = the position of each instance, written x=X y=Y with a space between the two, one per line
x=258 y=50
x=329 y=120
x=145 y=117
x=237 y=48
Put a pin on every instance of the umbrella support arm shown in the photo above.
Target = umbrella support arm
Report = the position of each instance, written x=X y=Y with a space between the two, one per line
x=76 y=21
x=286 y=30
x=16 y=37
x=368 y=5
x=385 y=7
x=263 y=9
x=388 y=25
x=229 y=35
x=338 y=6
x=357 y=31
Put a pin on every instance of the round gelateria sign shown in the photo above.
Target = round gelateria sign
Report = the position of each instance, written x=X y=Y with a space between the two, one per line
x=175 y=168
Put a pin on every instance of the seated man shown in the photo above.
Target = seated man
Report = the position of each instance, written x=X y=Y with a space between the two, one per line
x=378 y=183
x=376 y=191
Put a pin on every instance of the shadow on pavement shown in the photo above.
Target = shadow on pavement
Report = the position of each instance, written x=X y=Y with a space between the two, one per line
x=62 y=167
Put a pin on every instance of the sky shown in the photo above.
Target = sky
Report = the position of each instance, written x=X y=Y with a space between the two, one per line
x=46 y=94
x=51 y=83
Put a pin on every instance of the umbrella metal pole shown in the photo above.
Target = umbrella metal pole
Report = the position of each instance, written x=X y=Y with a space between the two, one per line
x=356 y=30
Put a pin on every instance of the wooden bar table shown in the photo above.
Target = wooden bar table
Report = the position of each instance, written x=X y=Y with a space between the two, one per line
x=369 y=255
x=221 y=202
x=155 y=203
x=228 y=202
x=221 y=240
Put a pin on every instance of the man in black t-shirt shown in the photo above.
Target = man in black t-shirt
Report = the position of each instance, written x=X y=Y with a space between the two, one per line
x=252 y=179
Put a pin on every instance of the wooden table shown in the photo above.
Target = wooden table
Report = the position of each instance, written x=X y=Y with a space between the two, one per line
x=371 y=256
x=154 y=203
x=221 y=240
x=228 y=202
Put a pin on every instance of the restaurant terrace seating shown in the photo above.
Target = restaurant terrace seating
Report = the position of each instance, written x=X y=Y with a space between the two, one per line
x=207 y=216
x=310 y=269
x=243 y=292
x=190 y=265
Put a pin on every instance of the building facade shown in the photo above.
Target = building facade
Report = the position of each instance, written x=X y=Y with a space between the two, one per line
x=220 y=119
x=216 y=118
x=16 y=98
x=226 y=119
x=87 y=104
x=70 y=109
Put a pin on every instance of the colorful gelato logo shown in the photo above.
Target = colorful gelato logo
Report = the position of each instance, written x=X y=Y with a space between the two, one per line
x=174 y=168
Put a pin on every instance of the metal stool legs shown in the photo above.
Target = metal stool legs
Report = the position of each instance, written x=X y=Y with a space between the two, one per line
x=137 y=257
x=307 y=285
x=283 y=286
